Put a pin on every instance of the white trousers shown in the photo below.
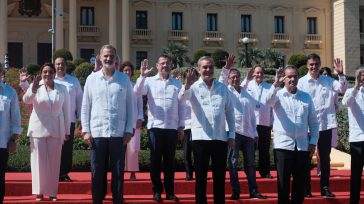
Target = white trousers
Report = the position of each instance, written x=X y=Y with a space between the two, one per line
x=45 y=158
x=132 y=152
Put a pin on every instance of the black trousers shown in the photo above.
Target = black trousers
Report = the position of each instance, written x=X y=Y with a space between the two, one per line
x=4 y=156
x=324 y=151
x=104 y=150
x=163 y=145
x=264 y=133
x=247 y=146
x=203 y=150
x=66 y=155
x=357 y=163
x=187 y=151
x=295 y=164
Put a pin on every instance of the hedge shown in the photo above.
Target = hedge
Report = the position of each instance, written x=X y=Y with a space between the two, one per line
x=20 y=161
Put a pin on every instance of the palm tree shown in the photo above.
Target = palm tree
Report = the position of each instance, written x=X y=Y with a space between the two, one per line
x=255 y=56
x=178 y=52
x=272 y=58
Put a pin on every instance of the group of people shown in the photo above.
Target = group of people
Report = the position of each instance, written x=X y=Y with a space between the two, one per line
x=215 y=120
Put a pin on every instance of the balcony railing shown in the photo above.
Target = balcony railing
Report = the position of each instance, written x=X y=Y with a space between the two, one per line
x=251 y=36
x=142 y=34
x=88 y=30
x=313 y=39
x=213 y=36
x=280 y=38
x=177 y=35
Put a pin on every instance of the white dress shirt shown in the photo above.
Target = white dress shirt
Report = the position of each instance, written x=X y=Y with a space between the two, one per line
x=9 y=114
x=165 y=111
x=354 y=100
x=323 y=91
x=211 y=107
x=51 y=115
x=295 y=122
x=187 y=111
x=244 y=104
x=138 y=107
x=75 y=91
x=107 y=105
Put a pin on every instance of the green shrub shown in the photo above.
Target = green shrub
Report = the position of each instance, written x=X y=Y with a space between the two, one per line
x=64 y=53
x=70 y=67
x=12 y=77
x=297 y=60
x=82 y=71
x=78 y=61
x=343 y=130
x=302 y=71
x=198 y=54
x=20 y=160
x=136 y=75
x=33 y=69
x=219 y=57
x=270 y=71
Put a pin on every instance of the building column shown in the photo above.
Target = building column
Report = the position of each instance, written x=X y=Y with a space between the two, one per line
x=126 y=32
x=4 y=29
x=112 y=23
x=73 y=28
x=59 y=25
x=346 y=34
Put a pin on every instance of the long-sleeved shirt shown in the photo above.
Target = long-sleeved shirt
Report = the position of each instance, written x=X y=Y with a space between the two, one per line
x=107 y=105
x=323 y=92
x=295 y=122
x=263 y=113
x=165 y=110
x=187 y=113
x=75 y=92
x=211 y=107
x=138 y=107
x=9 y=114
x=354 y=100
x=244 y=104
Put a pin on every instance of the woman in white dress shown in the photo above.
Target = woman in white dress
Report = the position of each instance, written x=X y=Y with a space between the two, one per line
x=49 y=126
x=133 y=147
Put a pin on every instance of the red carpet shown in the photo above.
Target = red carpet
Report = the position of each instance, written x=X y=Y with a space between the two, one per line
x=18 y=189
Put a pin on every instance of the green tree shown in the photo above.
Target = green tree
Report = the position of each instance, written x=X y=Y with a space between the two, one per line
x=64 y=53
x=219 y=57
x=82 y=71
x=255 y=56
x=297 y=60
x=272 y=58
x=33 y=69
x=198 y=54
x=178 y=53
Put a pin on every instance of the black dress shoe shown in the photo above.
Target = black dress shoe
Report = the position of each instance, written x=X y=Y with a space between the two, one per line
x=157 y=197
x=325 y=191
x=189 y=177
x=267 y=176
x=308 y=194
x=257 y=195
x=65 y=178
x=172 y=197
x=235 y=196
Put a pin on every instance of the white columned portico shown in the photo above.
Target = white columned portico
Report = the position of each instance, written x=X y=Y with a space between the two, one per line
x=4 y=29
x=125 y=32
x=59 y=25
x=112 y=23
x=73 y=28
